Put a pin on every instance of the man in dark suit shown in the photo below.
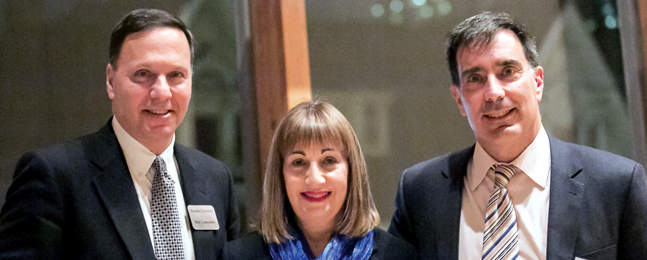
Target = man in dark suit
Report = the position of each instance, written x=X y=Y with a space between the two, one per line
x=518 y=192
x=127 y=191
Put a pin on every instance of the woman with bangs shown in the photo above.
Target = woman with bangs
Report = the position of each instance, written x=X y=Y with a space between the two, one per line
x=317 y=203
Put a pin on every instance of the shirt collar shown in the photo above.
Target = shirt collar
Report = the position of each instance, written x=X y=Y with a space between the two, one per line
x=534 y=161
x=138 y=157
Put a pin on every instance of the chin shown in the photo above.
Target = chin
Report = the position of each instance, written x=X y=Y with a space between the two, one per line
x=501 y=133
x=164 y=129
x=509 y=132
x=318 y=212
x=512 y=135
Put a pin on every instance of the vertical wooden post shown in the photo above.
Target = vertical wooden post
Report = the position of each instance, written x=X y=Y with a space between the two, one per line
x=281 y=73
x=295 y=45
x=642 y=13
x=633 y=34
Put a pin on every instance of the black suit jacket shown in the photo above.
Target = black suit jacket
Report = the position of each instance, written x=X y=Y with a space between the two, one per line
x=385 y=247
x=77 y=200
x=598 y=205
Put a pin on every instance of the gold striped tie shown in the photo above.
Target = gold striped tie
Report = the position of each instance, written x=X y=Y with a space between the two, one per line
x=500 y=236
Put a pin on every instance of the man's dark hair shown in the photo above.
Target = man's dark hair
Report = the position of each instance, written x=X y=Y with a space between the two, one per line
x=480 y=30
x=142 y=20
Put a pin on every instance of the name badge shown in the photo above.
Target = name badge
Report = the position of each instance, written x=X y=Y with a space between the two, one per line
x=203 y=217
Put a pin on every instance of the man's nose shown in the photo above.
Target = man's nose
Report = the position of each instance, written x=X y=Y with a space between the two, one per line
x=161 y=89
x=494 y=89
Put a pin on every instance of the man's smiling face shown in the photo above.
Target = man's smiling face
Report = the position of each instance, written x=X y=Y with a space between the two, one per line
x=499 y=93
x=150 y=86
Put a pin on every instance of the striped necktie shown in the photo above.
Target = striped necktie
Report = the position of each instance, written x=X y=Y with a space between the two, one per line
x=167 y=232
x=500 y=237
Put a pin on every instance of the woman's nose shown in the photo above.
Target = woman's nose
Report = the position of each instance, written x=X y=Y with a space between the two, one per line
x=314 y=175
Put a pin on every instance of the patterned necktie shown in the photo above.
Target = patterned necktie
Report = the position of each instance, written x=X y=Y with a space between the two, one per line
x=500 y=236
x=166 y=221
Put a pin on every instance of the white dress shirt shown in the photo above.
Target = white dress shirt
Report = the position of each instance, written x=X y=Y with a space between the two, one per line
x=529 y=191
x=139 y=160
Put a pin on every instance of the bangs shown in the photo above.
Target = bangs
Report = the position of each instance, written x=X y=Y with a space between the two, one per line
x=312 y=127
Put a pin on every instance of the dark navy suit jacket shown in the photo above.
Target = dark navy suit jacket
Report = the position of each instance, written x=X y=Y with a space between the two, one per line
x=77 y=200
x=598 y=205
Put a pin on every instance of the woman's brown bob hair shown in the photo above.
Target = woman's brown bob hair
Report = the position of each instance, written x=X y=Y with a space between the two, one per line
x=305 y=124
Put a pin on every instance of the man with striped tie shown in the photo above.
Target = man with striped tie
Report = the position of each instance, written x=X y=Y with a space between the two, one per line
x=518 y=193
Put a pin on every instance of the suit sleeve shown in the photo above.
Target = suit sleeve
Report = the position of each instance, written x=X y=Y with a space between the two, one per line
x=400 y=223
x=32 y=217
x=233 y=218
x=633 y=227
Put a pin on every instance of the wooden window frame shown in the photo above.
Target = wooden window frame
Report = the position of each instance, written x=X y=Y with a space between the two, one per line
x=633 y=33
x=280 y=71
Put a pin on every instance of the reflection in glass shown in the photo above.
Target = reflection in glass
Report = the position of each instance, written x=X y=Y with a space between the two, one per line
x=212 y=124
x=582 y=103
x=365 y=63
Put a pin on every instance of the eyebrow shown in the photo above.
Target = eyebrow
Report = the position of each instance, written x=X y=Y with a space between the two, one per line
x=322 y=151
x=182 y=67
x=148 y=65
x=508 y=62
x=471 y=70
x=502 y=63
x=143 y=64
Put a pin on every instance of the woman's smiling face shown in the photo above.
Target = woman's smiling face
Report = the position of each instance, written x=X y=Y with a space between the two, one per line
x=316 y=178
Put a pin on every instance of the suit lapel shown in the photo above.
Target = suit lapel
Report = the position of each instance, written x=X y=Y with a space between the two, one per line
x=194 y=186
x=449 y=213
x=115 y=188
x=566 y=196
x=194 y=189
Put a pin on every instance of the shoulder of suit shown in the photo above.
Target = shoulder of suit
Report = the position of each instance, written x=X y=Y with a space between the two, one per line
x=63 y=160
x=592 y=157
x=384 y=241
x=192 y=152
x=594 y=168
x=68 y=151
x=249 y=246
x=439 y=164
x=197 y=155
x=252 y=238
x=381 y=236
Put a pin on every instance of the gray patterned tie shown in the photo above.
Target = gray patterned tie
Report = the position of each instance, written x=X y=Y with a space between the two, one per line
x=166 y=221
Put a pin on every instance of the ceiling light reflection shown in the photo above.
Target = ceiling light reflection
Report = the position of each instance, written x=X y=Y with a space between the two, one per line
x=396 y=6
x=444 y=7
x=377 y=10
x=418 y=2
x=426 y=11
x=610 y=22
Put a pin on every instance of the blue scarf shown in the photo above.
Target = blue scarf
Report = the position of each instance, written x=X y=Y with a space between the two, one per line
x=339 y=248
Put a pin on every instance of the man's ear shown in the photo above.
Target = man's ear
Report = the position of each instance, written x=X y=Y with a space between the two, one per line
x=539 y=82
x=109 y=76
x=457 y=97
